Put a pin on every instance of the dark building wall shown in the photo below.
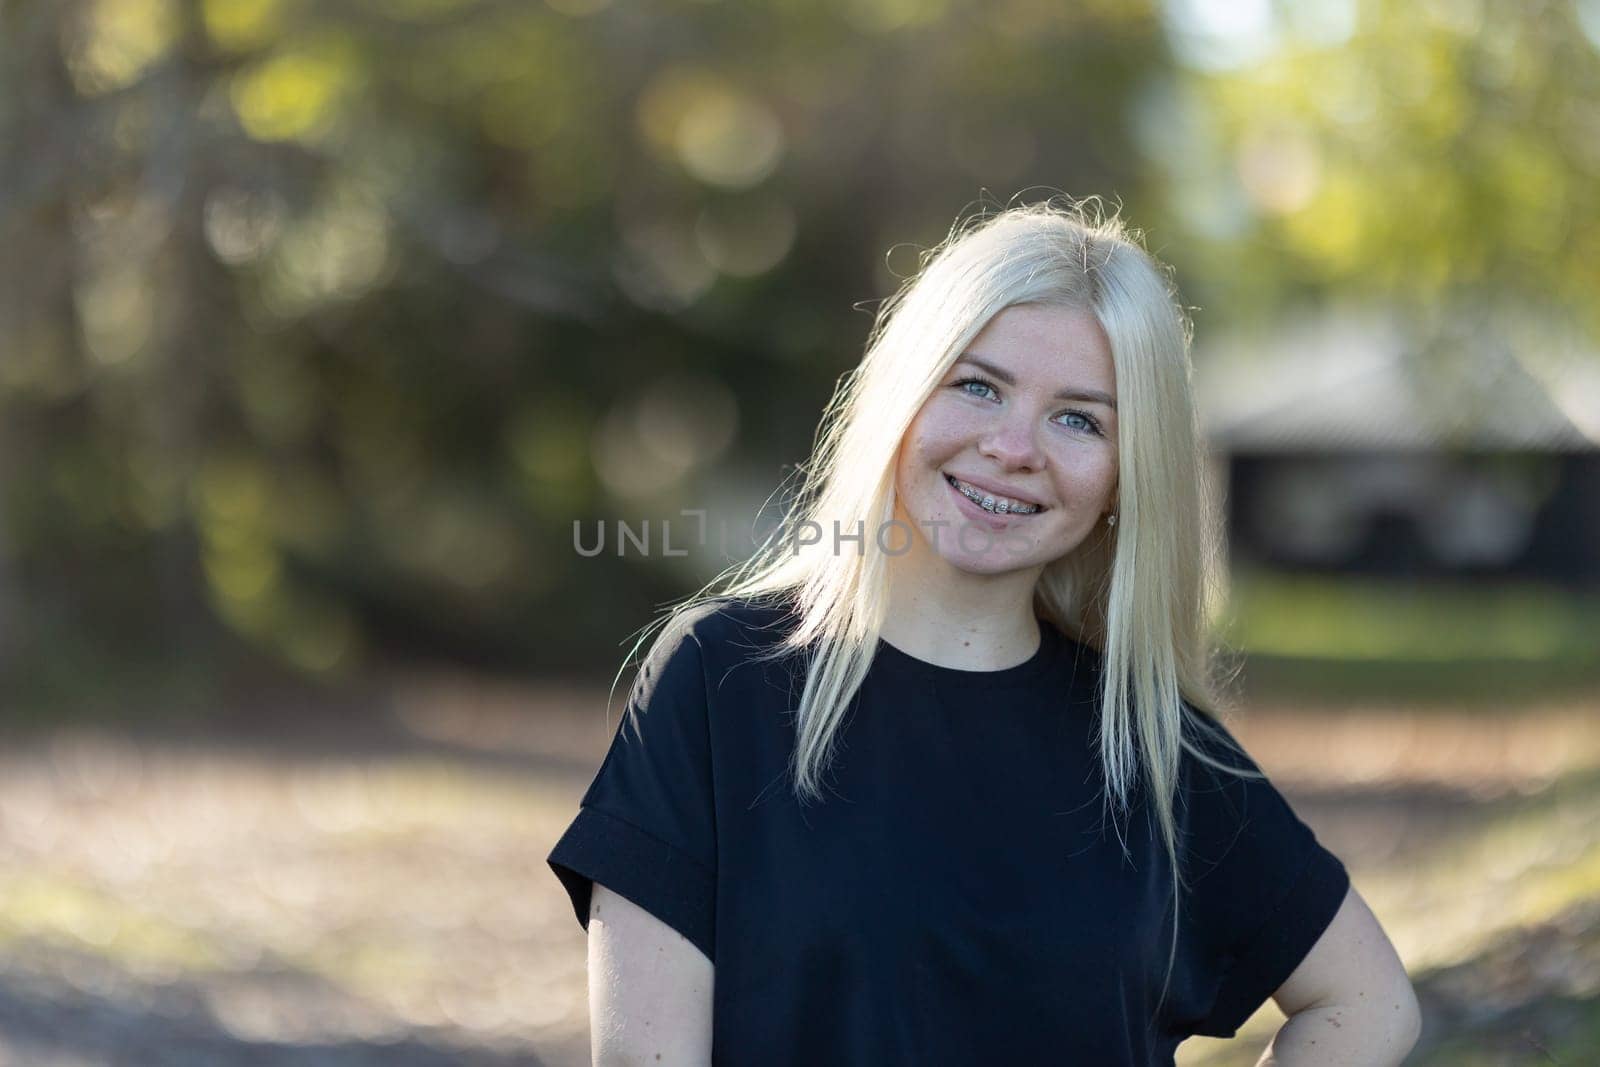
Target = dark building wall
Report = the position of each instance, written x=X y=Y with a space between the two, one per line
x=1527 y=515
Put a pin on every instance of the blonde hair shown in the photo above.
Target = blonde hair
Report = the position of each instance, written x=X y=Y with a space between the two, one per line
x=1139 y=591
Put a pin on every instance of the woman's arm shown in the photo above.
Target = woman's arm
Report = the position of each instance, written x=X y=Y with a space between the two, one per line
x=1349 y=1001
x=649 y=989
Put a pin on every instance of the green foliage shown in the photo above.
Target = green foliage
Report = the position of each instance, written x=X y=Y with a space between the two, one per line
x=317 y=310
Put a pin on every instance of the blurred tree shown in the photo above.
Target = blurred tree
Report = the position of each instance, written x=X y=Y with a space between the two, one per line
x=1421 y=153
x=324 y=321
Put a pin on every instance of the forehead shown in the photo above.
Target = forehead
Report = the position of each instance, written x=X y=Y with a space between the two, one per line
x=1058 y=346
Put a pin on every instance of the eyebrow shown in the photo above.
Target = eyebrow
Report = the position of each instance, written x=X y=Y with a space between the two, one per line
x=1094 y=395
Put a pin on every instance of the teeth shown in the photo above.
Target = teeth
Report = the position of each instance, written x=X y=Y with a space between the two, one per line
x=999 y=505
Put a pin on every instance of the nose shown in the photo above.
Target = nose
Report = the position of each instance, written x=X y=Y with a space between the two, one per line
x=1011 y=441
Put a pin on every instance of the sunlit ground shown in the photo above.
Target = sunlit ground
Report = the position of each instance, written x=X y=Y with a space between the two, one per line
x=1477 y=842
x=351 y=887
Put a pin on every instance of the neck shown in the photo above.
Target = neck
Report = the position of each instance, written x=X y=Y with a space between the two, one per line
x=957 y=619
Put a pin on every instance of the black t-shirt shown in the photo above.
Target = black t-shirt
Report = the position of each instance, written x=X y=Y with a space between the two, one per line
x=961 y=895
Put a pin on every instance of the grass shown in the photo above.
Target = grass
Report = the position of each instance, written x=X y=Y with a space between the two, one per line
x=62 y=908
x=1335 y=639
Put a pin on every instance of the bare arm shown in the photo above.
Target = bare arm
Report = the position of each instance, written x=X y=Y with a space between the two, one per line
x=649 y=989
x=1349 y=1001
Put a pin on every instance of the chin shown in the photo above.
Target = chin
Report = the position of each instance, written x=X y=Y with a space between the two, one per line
x=996 y=560
x=988 y=568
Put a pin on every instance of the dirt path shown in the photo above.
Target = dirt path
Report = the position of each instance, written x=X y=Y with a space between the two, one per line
x=365 y=883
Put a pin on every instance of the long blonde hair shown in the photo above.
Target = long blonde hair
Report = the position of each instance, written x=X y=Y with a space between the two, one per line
x=1139 y=593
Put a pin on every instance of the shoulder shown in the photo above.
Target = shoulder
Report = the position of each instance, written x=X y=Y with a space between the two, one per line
x=750 y=624
x=1232 y=812
x=1207 y=739
x=1216 y=775
x=727 y=630
x=714 y=639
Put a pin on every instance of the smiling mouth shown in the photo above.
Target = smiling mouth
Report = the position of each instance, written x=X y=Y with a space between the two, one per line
x=992 y=504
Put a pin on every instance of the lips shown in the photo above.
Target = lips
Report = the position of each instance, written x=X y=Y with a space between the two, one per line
x=992 y=517
x=992 y=499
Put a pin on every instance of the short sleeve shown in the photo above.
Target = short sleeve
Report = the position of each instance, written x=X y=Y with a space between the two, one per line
x=1262 y=889
x=645 y=829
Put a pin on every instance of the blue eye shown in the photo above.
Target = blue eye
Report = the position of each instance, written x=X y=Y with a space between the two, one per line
x=985 y=390
x=1084 y=422
x=979 y=382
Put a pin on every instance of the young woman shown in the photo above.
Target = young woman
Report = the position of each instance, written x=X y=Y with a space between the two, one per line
x=937 y=777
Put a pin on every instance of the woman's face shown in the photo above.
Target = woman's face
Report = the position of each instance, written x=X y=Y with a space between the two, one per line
x=1027 y=416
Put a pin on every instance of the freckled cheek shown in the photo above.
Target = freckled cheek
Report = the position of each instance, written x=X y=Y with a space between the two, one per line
x=1085 y=480
x=918 y=457
x=933 y=442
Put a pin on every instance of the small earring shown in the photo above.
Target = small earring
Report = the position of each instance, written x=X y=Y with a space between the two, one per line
x=1111 y=520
